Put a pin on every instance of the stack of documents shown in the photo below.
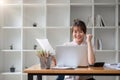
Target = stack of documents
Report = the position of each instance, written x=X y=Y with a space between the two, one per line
x=45 y=45
x=113 y=66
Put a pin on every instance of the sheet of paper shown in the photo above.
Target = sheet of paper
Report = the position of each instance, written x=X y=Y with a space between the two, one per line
x=45 y=45
x=113 y=66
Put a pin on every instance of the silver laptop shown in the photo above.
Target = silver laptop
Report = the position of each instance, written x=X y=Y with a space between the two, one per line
x=71 y=56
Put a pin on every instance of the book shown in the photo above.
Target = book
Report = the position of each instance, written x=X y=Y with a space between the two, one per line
x=100 y=21
x=98 y=44
x=89 y=21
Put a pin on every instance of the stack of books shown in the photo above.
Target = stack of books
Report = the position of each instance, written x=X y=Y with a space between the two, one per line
x=98 y=44
x=100 y=21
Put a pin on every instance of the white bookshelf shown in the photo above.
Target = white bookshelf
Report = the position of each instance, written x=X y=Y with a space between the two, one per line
x=22 y=21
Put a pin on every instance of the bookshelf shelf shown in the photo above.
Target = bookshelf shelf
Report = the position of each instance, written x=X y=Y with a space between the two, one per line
x=11 y=50
x=104 y=1
x=34 y=1
x=105 y=4
x=58 y=27
x=81 y=4
x=15 y=4
x=27 y=27
x=105 y=27
x=57 y=4
x=32 y=4
x=30 y=50
x=9 y=27
x=81 y=1
x=11 y=73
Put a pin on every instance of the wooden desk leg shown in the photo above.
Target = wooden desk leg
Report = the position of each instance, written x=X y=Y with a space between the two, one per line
x=30 y=76
x=39 y=77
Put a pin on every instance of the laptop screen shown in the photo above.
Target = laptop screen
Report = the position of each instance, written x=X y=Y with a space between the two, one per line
x=71 y=56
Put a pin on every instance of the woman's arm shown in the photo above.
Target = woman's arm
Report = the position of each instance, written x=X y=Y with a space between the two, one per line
x=91 y=55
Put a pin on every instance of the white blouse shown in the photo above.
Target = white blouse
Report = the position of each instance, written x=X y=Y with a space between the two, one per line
x=73 y=43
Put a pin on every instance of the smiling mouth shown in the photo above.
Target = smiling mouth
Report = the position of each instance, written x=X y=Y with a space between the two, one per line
x=78 y=37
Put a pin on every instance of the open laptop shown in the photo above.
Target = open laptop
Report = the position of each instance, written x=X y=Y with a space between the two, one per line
x=71 y=56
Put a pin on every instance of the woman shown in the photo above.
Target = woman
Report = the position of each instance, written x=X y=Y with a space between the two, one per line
x=79 y=35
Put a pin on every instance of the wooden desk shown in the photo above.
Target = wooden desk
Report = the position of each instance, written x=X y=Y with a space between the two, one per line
x=36 y=70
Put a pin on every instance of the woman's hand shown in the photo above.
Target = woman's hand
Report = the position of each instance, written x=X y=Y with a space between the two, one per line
x=88 y=38
x=53 y=61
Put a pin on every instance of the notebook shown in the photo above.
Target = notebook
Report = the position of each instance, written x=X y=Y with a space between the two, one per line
x=71 y=56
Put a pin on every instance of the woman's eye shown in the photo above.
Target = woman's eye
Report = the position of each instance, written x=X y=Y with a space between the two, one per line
x=80 y=32
x=75 y=31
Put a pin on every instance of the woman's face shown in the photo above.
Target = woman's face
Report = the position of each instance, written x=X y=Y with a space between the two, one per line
x=78 y=34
